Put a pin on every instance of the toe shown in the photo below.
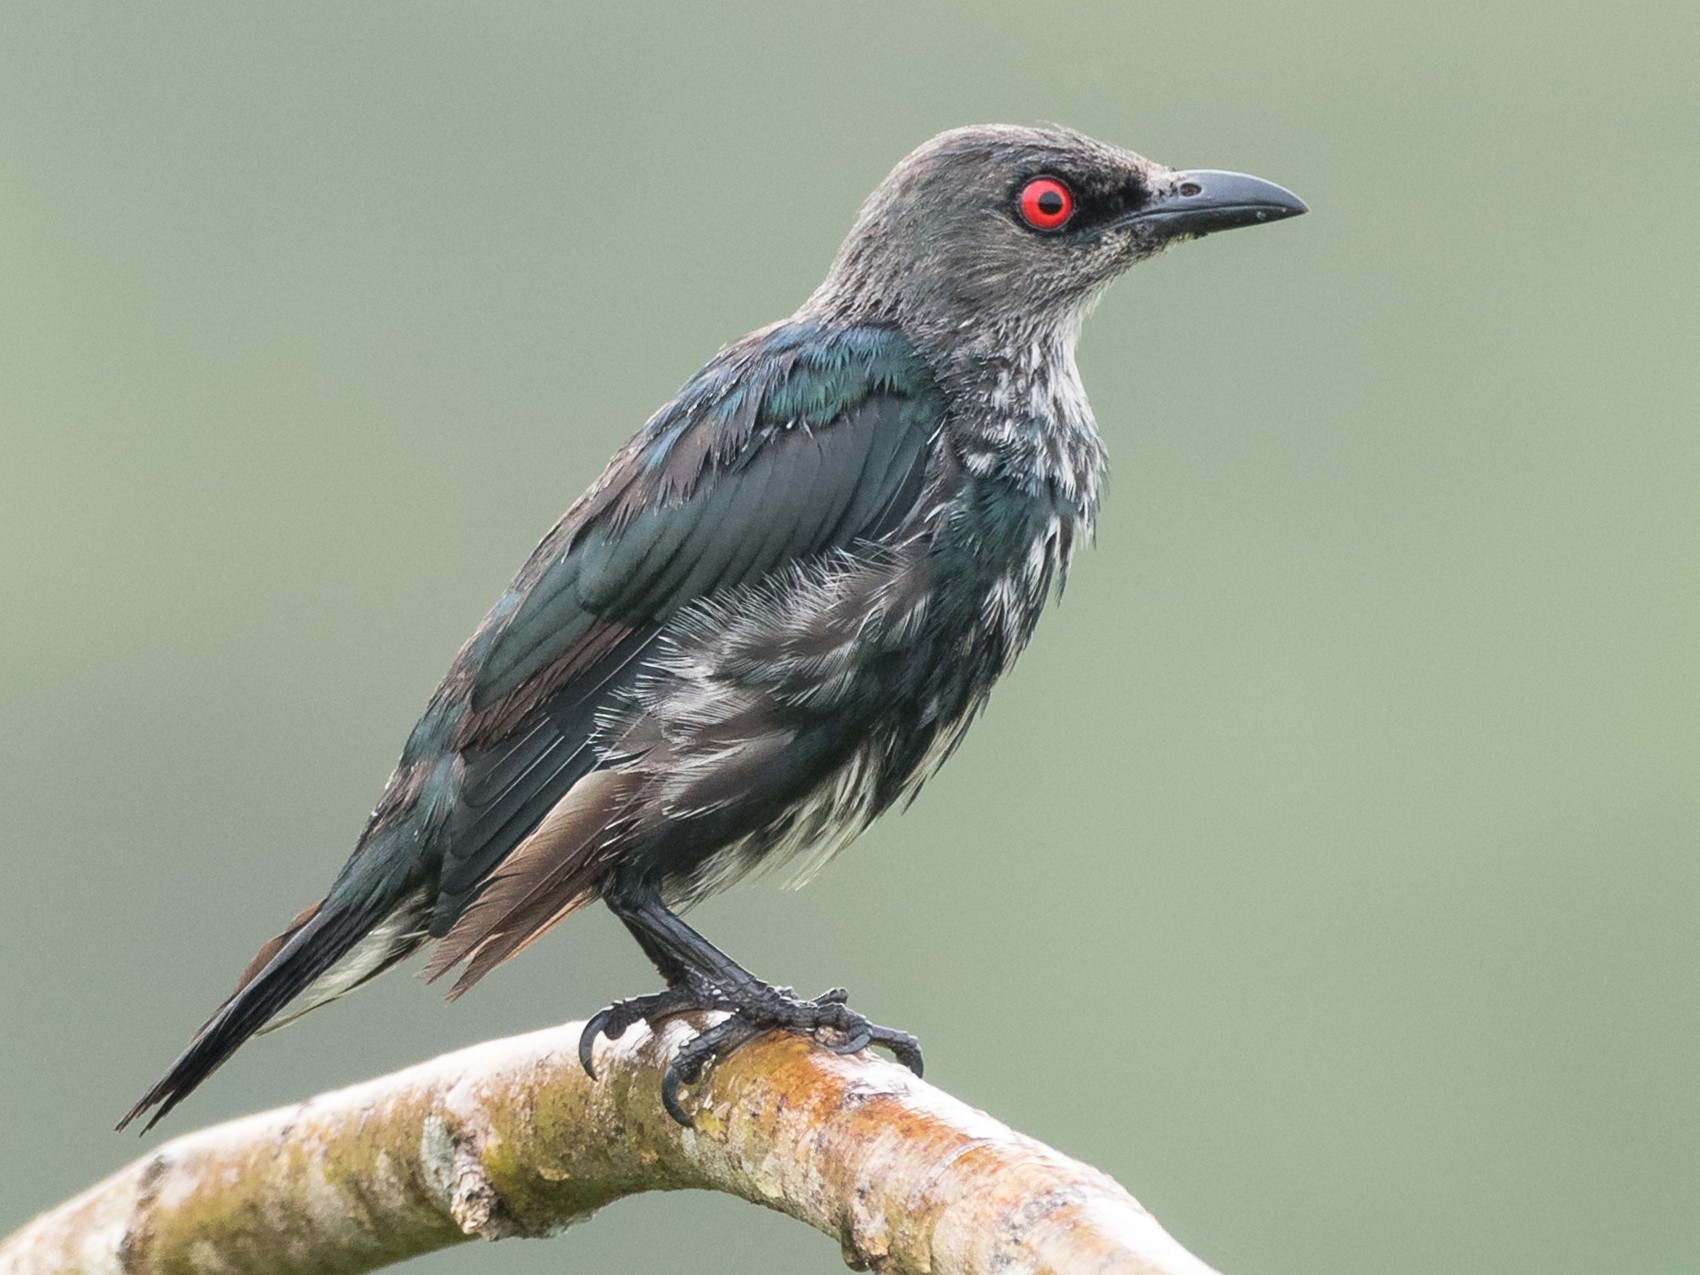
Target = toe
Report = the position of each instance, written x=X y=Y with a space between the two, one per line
x=907 y=1050
x=855 y=1042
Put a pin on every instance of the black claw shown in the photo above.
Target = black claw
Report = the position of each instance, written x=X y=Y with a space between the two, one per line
x=670 y=1099
x=587 y=1039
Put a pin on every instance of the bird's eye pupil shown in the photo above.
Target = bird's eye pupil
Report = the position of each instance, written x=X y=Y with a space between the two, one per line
x=1045 y=203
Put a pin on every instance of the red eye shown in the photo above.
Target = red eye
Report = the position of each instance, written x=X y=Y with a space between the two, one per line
x=1046 y=203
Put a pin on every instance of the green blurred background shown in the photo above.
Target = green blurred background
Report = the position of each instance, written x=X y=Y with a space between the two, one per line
x=1327 y=871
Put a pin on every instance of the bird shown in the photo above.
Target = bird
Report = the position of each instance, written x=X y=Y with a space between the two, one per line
x=774 y=614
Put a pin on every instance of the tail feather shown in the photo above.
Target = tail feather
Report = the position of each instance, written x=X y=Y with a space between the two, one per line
x=549 y=874
x=285 y=967
x=394 y=938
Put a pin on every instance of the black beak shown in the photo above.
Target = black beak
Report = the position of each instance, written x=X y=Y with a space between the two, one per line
x=1205 y=201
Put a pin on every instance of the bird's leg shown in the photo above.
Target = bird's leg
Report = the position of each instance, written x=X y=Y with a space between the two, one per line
x=701 y=976
x=683 y=993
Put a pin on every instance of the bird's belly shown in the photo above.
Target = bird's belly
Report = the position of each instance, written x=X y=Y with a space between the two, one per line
x=823 y=786
x=778 y=732
x=810 y=831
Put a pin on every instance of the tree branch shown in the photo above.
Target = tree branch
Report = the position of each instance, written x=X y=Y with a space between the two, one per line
x=511 y=1138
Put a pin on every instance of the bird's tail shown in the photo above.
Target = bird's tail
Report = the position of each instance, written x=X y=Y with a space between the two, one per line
x=327 y=950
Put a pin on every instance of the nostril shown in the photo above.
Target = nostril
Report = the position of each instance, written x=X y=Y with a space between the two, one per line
x=1191 y=188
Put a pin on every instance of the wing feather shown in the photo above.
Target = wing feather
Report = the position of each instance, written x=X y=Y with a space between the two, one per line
x=651 y=540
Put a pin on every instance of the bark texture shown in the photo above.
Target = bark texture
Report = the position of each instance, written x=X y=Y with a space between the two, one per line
x=510 y=1138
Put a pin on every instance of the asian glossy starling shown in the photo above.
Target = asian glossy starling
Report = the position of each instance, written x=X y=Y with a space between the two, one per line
x=773 y=615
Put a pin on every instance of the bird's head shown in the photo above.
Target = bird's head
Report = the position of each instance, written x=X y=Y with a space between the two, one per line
x=1001 y=225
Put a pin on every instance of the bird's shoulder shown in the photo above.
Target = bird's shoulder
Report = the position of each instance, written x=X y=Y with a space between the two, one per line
x=795 y=375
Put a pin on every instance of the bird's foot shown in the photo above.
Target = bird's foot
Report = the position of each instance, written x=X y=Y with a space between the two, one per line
x=827 y=1018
